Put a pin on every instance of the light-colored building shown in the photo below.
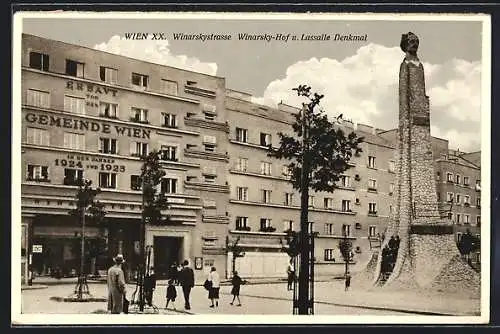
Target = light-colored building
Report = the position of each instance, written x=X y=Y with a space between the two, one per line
x=91 y=114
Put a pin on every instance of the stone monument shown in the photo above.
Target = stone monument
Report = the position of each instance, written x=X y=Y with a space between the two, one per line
x=427 y=255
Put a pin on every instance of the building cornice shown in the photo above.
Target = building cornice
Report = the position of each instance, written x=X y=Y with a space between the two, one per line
x=282 y=206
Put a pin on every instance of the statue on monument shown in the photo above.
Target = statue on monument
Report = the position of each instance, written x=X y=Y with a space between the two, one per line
x=426 y=256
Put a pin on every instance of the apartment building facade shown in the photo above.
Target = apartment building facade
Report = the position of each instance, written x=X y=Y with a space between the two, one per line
x=91 y=114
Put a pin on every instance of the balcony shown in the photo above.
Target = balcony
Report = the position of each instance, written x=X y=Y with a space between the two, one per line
x=268 y=229
x=243 y=228
x=38 y=179
x=372 y=189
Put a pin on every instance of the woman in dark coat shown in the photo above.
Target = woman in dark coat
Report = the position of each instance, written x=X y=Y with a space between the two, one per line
x=236 y=281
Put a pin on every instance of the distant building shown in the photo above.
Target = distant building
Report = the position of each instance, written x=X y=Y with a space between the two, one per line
x=91 y=114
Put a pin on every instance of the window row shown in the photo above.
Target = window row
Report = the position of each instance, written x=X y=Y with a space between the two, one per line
x=463 y=218
x=457 y=179
x=76 y=141
x=107 y=74
x=457 y=199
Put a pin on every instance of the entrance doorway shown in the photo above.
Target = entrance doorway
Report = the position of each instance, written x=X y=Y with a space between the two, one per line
x=166 y=253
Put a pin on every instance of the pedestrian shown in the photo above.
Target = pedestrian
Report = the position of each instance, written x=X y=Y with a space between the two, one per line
x=173 y=272
x=290 y=275
x=236 y=281
x=213 y=292
x=149 y=286
x=186 y=280
x=171 y=293
x=347 y=281
x=116 y=286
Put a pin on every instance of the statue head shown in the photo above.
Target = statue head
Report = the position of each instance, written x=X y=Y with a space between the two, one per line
x=409 y=43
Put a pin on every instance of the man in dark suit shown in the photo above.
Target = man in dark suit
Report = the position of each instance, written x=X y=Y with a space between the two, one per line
x=186 y=279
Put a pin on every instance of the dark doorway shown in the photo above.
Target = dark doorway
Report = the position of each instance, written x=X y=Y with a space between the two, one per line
x=166 y=253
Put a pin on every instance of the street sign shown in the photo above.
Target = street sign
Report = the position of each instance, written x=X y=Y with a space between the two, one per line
x=37 y=249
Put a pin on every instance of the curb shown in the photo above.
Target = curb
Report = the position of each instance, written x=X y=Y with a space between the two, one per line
x=34 y=287
x=76 y=300
x=379 y=308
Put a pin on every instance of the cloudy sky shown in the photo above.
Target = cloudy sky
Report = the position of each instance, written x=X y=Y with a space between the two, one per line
x=358 y=79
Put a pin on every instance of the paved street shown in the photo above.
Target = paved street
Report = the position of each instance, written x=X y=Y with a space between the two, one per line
x=267 y=299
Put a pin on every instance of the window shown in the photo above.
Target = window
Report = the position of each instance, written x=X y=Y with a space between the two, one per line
x=311 y=201
x=74 y=68
x=39 y=61
x=241 y=223
x=457 y=198
x=107 y=145
x=212 y=241
x=74 y=141
x=139 y=80
x=265 y=223
x=372 y=208
x=209 y=204
x=478 y=202
x=286 y=171
x=287 y=225
x=168 y=185
x=391 y=209
x=209 y=116
x=449 y=177
x=38 y=98
x=466 y=219
x=242 y=193
x=169 y=87
x=108 y=74
x=242 y=164
x=289 y=199
x=457 y=179
x=466 y=181
x=478 y=220
x=450 y=215
x=346 y=181
x=478 y=185
x=265 y=168
x=346 y=230
x=371 y=162
x=241 y=135
x=209 y=178
x=328 y=203
x=138 y=149
x=72 y=177
x=329 y=255
x=135 y=182
x=329 y=228
x=392 y=166
x=265 y=139
x=38 y=173
x=372 y=231
x=467 y=200
x=458 y=218
x=391 y=189
x=210 y=143
x=169 y=120
x=266 y=196
x=109 y=110
x=346 y=205
x=372 y=184
x=459 y=236
x=449 y=197
x=37 y=137
x=107 y=180
x=74 y=104
x=438 y=176
x=168 y=152
x=139 y=115
x=438 y=196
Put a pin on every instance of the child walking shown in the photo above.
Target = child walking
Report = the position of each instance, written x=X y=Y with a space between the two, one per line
x=236 y=281
x=171 y=293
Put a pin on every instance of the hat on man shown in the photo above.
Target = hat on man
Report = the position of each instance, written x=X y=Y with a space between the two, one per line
x=119 y=258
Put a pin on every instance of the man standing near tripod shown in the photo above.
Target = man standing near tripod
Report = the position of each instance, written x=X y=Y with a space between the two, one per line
x=186 y=279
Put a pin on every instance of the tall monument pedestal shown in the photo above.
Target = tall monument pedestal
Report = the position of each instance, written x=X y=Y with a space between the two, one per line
x=419 y=251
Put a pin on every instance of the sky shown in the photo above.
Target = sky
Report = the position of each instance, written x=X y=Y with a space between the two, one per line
x=358 y=78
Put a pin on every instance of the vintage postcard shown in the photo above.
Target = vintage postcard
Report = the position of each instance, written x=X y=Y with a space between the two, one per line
x=216 y=168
